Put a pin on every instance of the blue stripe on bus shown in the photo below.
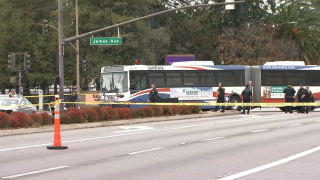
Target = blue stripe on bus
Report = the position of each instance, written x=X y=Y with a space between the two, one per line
x=145 y=97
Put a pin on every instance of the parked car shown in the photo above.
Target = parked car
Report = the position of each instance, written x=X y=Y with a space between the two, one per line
x=7 y=95
x=9 y=105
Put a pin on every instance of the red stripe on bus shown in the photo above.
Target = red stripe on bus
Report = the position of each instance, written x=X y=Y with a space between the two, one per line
x=191 y=67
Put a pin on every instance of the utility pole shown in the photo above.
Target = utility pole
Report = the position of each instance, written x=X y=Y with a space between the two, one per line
x=77 y=56
x=61 y=44
x=19 y=75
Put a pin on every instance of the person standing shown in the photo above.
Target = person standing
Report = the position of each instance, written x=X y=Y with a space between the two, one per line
x=11 y=94
x=311 y=97
x=153 y=94
x=299 y=97
x=289 y=97
x=247 y=95
x=220 y=95
x=305 y=99
x=73 y=98
x=51 y=101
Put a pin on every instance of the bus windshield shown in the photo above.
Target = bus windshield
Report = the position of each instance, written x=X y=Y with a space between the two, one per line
x=114 y=82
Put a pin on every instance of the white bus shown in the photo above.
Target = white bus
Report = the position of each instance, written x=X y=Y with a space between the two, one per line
x=198 y=81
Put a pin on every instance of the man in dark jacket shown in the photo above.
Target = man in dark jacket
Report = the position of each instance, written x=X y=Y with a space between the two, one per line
x=73 y=98
x=220 y=94
x=153 y=94
x=289 y=97
x=247 y=95
x=299 y=97
x=306 y=97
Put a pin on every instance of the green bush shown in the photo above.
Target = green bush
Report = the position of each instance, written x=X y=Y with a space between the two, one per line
x=100 y=113
x=106 y=114
x=37 y=119
x=158 y=110
x=65 y=119
x=75 y=115
x=196 y=109
x=140 y=112
x=149 y=111
x=167 y=110
x=91 y=114
x=46 y=118
x=133 y=113
x=112 y=113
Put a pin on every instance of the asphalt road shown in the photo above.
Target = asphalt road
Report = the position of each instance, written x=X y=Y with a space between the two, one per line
x=266 y=144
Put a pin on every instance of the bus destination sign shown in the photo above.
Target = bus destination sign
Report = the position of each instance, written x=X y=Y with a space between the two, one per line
x=155 y=67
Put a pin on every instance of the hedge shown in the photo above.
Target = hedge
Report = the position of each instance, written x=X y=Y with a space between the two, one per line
x=96 y=114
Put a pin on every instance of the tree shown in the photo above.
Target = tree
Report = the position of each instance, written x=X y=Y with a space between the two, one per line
x=304 y=28
x=251 y=45
x=20 y=33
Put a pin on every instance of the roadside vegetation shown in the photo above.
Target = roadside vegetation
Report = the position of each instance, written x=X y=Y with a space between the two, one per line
x=97 y=114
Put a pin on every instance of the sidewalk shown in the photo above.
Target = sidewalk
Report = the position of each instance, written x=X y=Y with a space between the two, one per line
x=113 y=123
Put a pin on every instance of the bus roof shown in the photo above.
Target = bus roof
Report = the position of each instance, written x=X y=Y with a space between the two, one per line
x=286 y=63
x=209 y=65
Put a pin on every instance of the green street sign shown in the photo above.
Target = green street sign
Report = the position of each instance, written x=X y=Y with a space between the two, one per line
x=106 y=41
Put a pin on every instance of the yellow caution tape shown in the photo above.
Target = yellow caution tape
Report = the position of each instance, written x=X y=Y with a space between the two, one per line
x=201 y=104
x=56 y=103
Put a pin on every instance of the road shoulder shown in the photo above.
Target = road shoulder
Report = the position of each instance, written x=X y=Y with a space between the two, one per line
x=113 y=123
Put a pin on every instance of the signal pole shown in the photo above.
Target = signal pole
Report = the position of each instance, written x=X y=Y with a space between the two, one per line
x=61 y=44
x=19 y=75
x=77 y=56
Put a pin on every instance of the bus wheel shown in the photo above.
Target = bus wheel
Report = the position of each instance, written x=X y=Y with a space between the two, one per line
x=235 y=99
x=282 y=109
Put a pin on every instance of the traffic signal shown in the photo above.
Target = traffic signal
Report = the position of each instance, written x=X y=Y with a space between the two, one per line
x=137 y=61
x=46 y=26
x=244 y=8
x=27 y=62
x=155 y=20
x=84 y=66
x=12 y=62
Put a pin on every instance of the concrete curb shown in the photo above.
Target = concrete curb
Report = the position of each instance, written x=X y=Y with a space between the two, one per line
x=112 y=123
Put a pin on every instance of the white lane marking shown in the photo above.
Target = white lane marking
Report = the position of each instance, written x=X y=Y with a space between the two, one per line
x=147 y=150
x=182 y=143
x=294 y=125
x=25 y=147
x=318 y=121
x=34 y=172
x=247 y=115
x=133 y=128
x=213 y=139
x=276 y=163
x=127 y=134
x=261 y=130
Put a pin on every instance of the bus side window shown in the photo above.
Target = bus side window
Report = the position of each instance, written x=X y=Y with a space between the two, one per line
x=138 y=80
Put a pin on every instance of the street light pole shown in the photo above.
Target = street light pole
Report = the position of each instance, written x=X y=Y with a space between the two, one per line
x=77 y=56
x=61 y=44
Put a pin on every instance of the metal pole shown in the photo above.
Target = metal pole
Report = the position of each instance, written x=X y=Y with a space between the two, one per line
x=61 y=44
x=19 y=76
x=77 y=56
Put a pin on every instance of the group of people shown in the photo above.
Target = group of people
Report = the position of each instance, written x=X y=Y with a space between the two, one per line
x=246 y=94
x=303 y=95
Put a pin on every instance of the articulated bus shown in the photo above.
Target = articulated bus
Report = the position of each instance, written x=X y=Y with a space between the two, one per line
x=197 y=81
